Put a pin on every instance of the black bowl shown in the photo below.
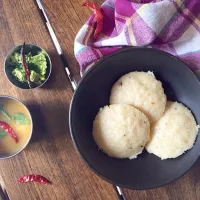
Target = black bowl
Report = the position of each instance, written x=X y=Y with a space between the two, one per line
x=147 y=171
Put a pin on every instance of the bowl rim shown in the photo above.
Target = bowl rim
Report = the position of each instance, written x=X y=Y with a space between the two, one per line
x=27 y=44
x=94 y=67
x=31 y=132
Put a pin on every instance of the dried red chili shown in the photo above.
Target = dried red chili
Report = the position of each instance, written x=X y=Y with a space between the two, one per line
x=99 y=17
x=25 y=66
x=33 y=178
x=6 y=127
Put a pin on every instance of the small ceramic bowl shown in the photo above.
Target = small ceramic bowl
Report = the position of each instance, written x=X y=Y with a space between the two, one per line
x=29 y=48
x=5 y=151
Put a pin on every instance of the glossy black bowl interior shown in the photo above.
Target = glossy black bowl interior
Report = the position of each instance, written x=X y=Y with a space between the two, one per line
x=147 y=171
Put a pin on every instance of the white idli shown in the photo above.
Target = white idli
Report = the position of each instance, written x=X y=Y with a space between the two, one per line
x=121 y=131
x=174 y=133
x=141 y=90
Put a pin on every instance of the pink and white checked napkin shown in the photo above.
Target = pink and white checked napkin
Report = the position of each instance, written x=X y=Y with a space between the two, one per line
x=169 y=25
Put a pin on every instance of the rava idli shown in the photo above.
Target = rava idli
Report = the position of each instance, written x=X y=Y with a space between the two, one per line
x=141 y=90
x=174 y=133
x=121 y=131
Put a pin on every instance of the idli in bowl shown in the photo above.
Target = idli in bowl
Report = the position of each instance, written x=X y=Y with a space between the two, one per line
x=121 y=131
x=93 y=93
x=142 y=91
x=174 y=133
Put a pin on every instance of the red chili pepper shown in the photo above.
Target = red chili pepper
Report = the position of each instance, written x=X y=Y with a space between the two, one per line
x=99 y=17
x=33 y=178
x=6 y=127
x=25 y=66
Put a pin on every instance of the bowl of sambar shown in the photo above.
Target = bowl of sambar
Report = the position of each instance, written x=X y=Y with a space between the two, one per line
x=16 y=126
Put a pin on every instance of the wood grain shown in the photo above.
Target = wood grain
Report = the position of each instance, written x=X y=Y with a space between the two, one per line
x=67 y=17
x=50 y=152
x=3 y=195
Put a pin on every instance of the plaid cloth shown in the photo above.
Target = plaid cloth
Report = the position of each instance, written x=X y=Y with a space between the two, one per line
x=169 y=25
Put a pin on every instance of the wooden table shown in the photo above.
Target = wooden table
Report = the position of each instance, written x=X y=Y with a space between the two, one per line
x=51 y=152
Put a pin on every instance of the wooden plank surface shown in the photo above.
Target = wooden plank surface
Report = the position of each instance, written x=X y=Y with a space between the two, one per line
x=67 y=17
x=50 y=152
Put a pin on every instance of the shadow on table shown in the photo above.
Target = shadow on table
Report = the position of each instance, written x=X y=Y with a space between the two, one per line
x=50 y=121
x=58 y=78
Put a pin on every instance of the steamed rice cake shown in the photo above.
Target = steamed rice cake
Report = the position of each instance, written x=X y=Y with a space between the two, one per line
x=174 y=133
x=141 y=90
x=121 y=131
